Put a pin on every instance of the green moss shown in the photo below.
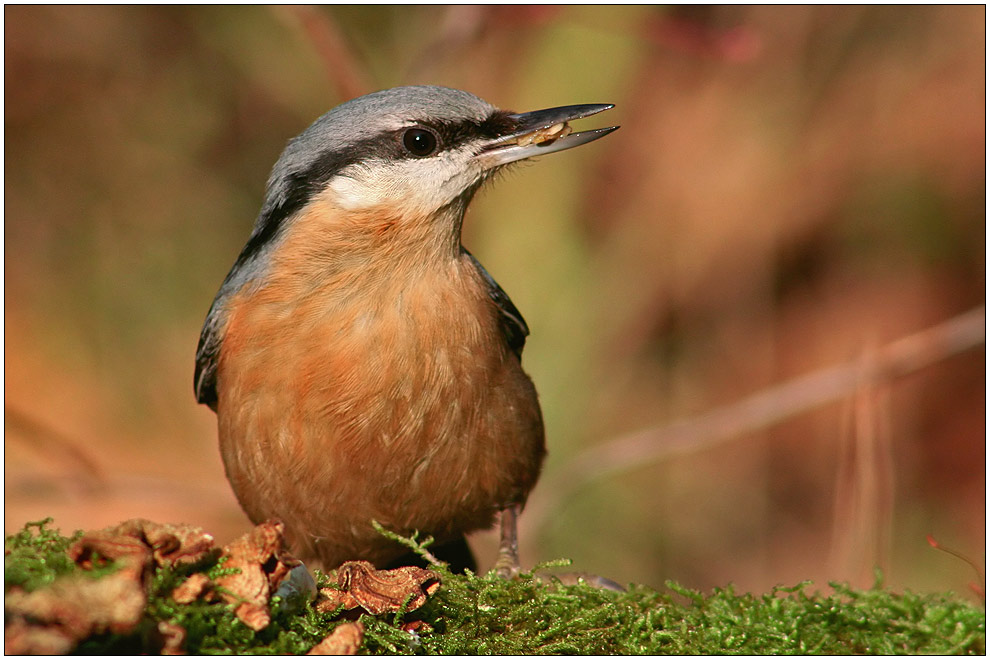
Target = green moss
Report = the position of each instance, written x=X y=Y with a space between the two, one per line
x=35 y=556
x=485 y=615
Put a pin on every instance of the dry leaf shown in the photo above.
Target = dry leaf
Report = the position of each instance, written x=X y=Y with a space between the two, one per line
x=254 y=616
x=344 y=640
x=173 y=638
x=70 y=610
x=176 y=544
x=192 y=588
x=22 y=638
x=108 y=546
x=263 y=565
x=54 y=619
x=360 y=584
x=417 y=627
x=139 y=541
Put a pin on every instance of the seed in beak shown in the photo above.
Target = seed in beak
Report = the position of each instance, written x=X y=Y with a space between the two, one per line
x=546 y=135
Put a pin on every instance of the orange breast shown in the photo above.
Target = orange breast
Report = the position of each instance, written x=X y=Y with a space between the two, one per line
x=361 y=394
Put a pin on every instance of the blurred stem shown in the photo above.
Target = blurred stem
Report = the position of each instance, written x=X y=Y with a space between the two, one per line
x=864 y=492
x=343 y=68
x=57 y=447
x=759 y=411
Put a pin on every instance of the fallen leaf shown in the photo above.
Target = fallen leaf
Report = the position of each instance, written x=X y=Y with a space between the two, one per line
x=173 y=638
x=359 y=584
x=54 y=619
x=139 y=541
x=196 y=585
x=254 y=616
x=96 y=548
x=417 y=627
x=70 y=610
x=263 y=565
x=331 y=599
x=344 y=640
x=177 y=544
x=22 y=638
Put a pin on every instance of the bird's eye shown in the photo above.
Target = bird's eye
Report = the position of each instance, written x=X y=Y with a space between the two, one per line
x=420 y=141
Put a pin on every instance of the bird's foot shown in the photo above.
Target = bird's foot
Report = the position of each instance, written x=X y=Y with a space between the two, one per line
x=506 y=569
x=507 y=564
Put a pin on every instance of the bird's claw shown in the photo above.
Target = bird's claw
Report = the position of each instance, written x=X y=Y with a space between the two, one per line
x=507 y=564
x=506 y=569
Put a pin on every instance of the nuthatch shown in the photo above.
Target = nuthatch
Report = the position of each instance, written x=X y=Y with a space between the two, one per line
x=362 y=364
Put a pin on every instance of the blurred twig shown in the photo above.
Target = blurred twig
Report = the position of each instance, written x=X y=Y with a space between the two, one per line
x=864 y=490
x=759 y=411
x=344 y=70
x=979 y=588
x=460 y=25
x=55 y=446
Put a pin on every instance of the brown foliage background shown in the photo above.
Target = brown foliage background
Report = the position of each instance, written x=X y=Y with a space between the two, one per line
x=791 y=188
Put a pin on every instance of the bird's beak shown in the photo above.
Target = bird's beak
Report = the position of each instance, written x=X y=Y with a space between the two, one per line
x=542 y=132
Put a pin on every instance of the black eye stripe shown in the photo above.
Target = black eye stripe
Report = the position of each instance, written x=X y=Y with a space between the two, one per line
x=297 y=188
x=454 y=134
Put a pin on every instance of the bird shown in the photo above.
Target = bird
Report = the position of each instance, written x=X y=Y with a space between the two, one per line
x=362 y=364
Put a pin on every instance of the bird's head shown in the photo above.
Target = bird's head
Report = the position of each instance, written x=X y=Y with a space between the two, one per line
x=411 y=153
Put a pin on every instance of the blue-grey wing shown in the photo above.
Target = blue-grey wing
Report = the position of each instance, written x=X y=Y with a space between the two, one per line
x=514 y=326
x=248 y=265
x=207 y=355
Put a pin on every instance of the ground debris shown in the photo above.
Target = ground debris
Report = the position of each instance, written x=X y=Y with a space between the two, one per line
x=196 y=585
x=55 y=619
x=263 y=565
x=140 y=540
x=173 y=638
x=344 y=640
x=22 y=638
x=359 y=584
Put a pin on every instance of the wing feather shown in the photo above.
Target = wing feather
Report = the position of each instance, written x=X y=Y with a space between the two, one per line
x=514 y=326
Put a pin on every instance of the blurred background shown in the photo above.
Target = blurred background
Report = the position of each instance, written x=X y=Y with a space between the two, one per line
x=793 y=188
